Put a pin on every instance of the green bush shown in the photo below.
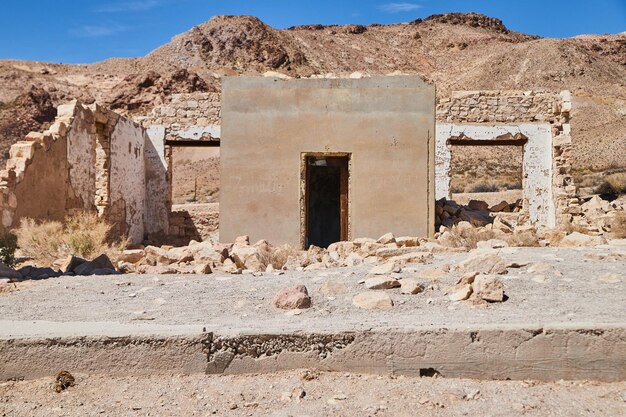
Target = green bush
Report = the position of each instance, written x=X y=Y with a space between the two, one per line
x=8 y=245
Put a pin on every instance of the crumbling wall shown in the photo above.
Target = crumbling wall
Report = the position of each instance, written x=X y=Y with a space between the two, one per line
x=127 y=176
x=543 y=117
x=90 y=159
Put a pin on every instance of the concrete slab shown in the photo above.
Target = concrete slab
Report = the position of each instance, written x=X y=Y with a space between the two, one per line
x=567 y=325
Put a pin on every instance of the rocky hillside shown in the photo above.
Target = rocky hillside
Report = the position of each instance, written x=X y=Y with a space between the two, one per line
x=456 y=51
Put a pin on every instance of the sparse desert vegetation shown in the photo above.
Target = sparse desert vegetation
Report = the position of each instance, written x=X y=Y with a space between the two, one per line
x=84 y=234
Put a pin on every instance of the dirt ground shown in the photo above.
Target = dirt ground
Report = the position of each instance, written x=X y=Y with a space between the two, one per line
x=556 y=286
x=308 y=393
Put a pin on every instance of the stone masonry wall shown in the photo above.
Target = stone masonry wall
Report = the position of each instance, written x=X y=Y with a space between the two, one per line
x=511 y=108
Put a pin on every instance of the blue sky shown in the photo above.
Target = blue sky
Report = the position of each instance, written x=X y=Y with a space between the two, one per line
x=83 y=31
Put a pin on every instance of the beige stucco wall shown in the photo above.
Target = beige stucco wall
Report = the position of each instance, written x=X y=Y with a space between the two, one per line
x=387 y=124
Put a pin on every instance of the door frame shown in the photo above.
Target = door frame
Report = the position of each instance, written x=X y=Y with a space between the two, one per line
x=345 y=194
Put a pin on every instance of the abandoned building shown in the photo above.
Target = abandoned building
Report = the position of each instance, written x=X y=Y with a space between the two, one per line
x=307 y=161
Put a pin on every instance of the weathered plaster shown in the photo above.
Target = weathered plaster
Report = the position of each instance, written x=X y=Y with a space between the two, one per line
x=127 y=175
x=537 y=163
x=157 y=204
x=385 y=123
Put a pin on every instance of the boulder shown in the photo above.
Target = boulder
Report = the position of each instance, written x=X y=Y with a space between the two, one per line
x=386 y=268
x=502 y=206
x=381 y=283
x=132 y=255
x=478 y=205
x=577 y=240
x=240 y=254
x=100 y=264
x=354 y=259
x=202 y=268
x=460 y=292
x=292 y=298
x=9 y=273
x=488 y=288
x=410 y=286
x=180 y=255
x=31 y=272
x=253 y=263
x=373 y=300
x=230 y=267
x=69 y=264
x=386 y=239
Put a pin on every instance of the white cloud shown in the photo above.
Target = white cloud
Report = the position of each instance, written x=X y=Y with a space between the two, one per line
x=399 y=7
x=97 y=31
x=129 y=6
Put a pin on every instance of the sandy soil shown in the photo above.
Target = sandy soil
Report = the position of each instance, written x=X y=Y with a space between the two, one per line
x=325 y=394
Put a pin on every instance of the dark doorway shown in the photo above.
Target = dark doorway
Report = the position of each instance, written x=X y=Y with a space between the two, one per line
x=326 y=200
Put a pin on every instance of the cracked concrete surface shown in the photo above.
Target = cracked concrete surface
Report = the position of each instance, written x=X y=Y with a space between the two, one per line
x=567 y=325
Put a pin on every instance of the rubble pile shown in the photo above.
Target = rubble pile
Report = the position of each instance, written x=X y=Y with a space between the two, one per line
x=476 y=212
x=595 y=216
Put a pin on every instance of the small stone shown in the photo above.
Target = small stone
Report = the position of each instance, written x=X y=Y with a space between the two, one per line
x=381 y=283
x=484 y=263
x=410 y=286
x=386 y=268
x=386 y=239
x=292 y=298
x=460 y=292
x=489 y=288
x=373 y=300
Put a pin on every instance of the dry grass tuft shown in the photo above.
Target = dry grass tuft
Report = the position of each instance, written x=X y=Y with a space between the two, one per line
x=278 y=256
x=613 y=184
x=523 y=239
x=470 y=237
x=84 y=234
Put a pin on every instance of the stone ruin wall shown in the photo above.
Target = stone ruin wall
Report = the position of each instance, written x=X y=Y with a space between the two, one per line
x=513 y=110
x=90 y=159
x=189 y=116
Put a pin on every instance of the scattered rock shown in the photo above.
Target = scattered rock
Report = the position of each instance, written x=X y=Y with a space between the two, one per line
x=292 y=298
x=487 y=263
x=488 y=288
x=386 y=239
x=381 y=283
x=373 y=300
x=102 y=265
x=410 y=286
x=460 y=292
x=386 y=268
x=132 y=255
x=577 y=240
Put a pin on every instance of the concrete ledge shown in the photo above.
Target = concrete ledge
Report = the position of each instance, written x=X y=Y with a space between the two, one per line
x=518 y=353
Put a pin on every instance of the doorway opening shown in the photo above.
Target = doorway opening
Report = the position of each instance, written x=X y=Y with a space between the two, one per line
x=326 y=199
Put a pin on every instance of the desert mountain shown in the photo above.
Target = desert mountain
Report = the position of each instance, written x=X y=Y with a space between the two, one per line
x=455 y=51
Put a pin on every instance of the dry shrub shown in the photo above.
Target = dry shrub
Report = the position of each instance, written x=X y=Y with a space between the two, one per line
x=483 y=187
x=613 y=184
x=278 y=256
x=84 y=234
x=523 y=239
